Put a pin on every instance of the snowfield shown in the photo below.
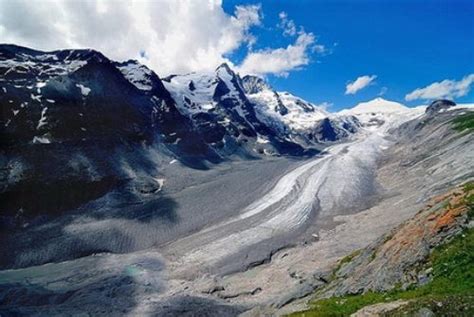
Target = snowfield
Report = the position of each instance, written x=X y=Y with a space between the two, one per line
x=193 y=91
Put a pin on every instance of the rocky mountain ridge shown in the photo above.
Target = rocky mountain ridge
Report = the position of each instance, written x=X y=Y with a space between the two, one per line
x=76 y=115
x=300 y=121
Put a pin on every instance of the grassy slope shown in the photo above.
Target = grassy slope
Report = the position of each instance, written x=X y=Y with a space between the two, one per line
x=450 y=293
x=464 y=122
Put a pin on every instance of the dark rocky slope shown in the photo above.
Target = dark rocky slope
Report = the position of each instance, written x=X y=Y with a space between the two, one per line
x=73 y=128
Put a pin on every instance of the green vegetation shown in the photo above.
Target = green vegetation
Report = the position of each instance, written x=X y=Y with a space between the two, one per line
x=469 y=187
x=444 y=305
x=453 y=280
x=345 y=260
x=452 y=286
x=464 y=122
x=373 y=256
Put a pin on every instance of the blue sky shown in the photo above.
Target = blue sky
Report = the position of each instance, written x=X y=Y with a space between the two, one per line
x=412 y=50
x=406 y=44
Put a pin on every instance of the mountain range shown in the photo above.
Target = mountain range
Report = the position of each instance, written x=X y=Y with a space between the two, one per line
x=210 y=193
x=92 y=112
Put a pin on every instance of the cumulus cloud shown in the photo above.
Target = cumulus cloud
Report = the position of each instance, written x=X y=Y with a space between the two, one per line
x=171 y=36
x=280 y=61
x=358 y=84
x=444 y=89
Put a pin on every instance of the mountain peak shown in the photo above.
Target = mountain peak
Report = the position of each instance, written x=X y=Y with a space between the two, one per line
x=378 y=105
x=224 y=67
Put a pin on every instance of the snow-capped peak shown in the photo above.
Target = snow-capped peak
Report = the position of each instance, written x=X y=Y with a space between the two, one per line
x=381 y=112
x=377 y=105
x=224 y=70
x=282 y=110
x=197 y=92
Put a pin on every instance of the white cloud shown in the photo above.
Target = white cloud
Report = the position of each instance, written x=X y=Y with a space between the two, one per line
x=281 y=60
x=358 y=84
x=383 y=91
x=171 y=36
x=444 y=89
x=288 y=26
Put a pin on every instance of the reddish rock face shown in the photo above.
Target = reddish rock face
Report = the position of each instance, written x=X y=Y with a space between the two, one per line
x=395 y=258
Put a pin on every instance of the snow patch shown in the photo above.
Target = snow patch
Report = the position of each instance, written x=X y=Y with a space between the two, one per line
x=160 y=182
x=43 y=118
x=262 y=140
x=84 y=90
x=192 y=98
x=41 y=140
x=465 y=106
x=36 y=98
x=208 y=106
x=138 y=75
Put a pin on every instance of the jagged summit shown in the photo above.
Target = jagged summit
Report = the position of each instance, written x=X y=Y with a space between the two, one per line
x=220 y=108
x=224 y=67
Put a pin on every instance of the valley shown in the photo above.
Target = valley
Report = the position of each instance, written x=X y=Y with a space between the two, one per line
x=199 y=194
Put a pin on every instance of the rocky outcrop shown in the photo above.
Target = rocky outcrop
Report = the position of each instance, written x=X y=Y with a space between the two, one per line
x=254 y=84
x=439 y=105
x=398 y=258
x=379 y=309
x=335 y=128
